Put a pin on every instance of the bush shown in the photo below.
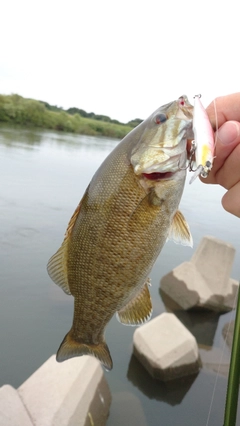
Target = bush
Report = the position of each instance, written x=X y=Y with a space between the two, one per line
x=29 y=112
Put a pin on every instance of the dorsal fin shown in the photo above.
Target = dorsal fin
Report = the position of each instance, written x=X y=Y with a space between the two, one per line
x=72 y=221
x=57 y=265
x=179 y=231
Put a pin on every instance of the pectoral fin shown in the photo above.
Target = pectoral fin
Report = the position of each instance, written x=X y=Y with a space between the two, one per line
x=138 y=310
x=179 y=231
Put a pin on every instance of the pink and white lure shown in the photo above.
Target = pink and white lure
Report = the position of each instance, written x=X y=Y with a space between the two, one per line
x=203 y=144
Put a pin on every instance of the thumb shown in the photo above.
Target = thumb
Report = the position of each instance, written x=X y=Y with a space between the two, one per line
x=228 y=132
x=227 y=138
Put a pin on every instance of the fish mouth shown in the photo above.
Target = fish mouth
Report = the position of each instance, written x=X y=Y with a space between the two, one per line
x=165 y=169
x=158 y=175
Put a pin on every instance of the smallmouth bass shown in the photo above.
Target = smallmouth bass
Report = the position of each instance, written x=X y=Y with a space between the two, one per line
x=118 y=229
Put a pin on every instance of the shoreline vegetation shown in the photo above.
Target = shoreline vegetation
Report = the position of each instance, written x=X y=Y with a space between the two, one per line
x=15 y=109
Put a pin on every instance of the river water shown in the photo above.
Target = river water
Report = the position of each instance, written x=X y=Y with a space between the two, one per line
x=43 y=177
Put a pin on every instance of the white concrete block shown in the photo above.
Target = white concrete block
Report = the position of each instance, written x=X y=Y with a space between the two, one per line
x=205 y=281
x=166 y=348
x=213 y=258
x=68 y=394
x=186 y=286
x=230 y=299
x=12 y=410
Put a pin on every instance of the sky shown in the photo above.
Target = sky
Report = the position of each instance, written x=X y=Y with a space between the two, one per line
x=123 y=58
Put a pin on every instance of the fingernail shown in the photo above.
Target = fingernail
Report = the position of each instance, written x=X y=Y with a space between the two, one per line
x=228 y=132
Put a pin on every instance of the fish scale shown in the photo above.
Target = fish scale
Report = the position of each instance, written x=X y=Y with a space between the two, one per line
x=119 y=229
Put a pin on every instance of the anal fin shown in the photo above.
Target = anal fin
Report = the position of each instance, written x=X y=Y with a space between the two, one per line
x=138 y=310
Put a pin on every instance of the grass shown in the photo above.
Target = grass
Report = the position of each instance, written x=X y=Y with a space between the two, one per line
x=15 y=109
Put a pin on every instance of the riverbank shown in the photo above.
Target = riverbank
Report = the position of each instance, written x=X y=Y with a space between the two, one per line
x=15 y=109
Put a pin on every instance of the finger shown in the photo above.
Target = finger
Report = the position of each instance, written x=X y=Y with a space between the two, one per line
x=231 y=200
x=223 y=109
x=228 y=137
x=229 y=174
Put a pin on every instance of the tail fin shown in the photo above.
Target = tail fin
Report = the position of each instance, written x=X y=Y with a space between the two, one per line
x=71 y=347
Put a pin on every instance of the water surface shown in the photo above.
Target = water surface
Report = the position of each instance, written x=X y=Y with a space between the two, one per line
x=43 y=177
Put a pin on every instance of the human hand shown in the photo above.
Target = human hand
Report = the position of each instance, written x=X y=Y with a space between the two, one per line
x=226 y=166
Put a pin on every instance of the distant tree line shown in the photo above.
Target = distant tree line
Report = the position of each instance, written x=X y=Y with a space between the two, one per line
x=29 y=112
x=132 y=123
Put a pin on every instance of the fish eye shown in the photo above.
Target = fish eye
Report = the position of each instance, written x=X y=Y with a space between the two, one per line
x=181 y=101
x=160 y=118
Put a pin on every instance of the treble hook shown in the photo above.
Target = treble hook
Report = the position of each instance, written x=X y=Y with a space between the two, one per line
x=190 y=161
x=192 y=153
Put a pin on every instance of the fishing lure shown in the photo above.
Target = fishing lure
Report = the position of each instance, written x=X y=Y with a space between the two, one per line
x=203 y=144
